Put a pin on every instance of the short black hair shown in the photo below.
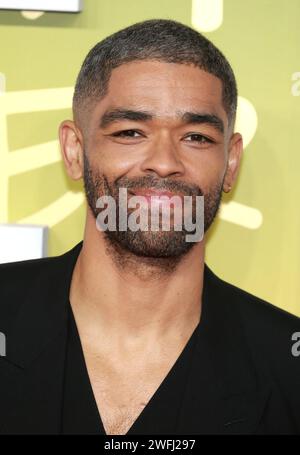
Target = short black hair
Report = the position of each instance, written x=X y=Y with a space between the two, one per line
x=155 y=39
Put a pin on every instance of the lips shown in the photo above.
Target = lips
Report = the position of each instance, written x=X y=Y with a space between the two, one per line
x=149 y=192
x=154 y=197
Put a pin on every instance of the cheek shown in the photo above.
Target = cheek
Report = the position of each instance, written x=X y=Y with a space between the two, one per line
x=116 y=165
x=208 y=168
x=110 y=160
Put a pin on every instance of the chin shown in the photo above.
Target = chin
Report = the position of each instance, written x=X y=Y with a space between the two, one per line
x=152 y=245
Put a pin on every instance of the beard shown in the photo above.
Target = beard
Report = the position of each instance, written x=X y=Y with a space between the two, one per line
x=149 y=244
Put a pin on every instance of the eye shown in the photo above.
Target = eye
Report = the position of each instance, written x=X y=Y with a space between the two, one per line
x=200 y=138
x=126 y=134
x=132 y=134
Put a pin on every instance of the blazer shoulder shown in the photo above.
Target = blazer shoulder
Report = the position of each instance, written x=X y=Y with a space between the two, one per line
x=23 y=280
x=23 y=274
x=271 y=333
x=253 y=309
x=14 y=274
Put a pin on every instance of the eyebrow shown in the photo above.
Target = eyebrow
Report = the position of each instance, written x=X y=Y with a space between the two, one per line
x=196 y=118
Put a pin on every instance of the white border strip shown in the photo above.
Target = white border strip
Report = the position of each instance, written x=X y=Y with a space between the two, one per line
x=71 y=6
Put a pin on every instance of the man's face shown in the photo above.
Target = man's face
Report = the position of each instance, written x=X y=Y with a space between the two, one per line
x=164 y=148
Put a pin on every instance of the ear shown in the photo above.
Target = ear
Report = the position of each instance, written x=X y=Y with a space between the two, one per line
x=71 y=140
x=235 y=150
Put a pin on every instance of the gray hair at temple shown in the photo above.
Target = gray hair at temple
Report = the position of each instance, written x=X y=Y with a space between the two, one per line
x=155 y=39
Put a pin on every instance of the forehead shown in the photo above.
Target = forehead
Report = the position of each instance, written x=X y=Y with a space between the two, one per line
x=163 y=87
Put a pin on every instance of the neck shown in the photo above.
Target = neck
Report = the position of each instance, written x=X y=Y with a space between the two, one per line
x=144 y=298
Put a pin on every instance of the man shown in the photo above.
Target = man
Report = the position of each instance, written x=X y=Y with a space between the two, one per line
x=130 y=332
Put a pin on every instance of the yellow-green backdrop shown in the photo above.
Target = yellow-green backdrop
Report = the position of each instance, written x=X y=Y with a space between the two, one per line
x=255 y=242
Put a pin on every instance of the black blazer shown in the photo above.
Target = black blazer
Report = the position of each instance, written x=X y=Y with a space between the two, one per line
x=250 y=383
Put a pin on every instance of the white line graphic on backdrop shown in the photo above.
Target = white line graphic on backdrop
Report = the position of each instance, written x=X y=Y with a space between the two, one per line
x=30 y=158
x=207 y=15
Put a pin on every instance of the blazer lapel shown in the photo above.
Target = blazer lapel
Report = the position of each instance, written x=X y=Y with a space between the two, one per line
x=32 y=371
x=224 y=392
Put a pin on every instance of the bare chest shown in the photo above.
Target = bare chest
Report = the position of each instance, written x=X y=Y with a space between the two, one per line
x=121 y=394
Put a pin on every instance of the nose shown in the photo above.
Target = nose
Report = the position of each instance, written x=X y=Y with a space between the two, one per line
x=162 y=158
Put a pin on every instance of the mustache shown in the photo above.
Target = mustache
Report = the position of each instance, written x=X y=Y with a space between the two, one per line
x=148 y=181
